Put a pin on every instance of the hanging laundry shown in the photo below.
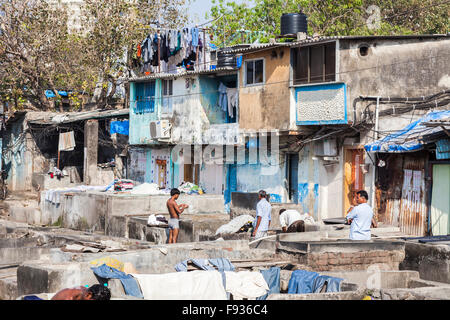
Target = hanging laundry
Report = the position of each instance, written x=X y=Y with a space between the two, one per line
x=223 y=102
x=66 y=141
x=272 y=277
x=232 y=97
x=195 y=37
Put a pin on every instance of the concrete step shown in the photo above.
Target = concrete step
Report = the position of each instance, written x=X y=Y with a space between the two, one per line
x=8 y=284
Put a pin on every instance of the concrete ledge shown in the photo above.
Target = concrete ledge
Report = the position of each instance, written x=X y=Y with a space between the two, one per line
x=348 y=295
x=431 y=260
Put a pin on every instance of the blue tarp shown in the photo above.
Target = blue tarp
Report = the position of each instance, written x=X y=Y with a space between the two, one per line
x=51 y=94
x=409 y=138
x=122 y=127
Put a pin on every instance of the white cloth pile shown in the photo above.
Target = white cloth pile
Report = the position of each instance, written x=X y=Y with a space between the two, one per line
x=307 y=218
x=54 y=195
x=148 y=188
x=152 y=220
x=245 y=284
x=234 y=225
x=193 y=285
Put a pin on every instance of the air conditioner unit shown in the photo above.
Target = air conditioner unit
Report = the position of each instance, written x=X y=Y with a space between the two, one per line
x=160 y=129
x=326 y=148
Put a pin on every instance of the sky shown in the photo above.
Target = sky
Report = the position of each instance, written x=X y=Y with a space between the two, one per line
x=198 y=8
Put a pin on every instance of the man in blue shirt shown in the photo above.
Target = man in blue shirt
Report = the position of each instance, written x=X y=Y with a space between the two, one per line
x=263 y=216
x=361 y=218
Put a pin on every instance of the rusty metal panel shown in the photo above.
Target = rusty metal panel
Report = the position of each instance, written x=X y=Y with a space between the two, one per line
x=401 y=196
x=413 y=209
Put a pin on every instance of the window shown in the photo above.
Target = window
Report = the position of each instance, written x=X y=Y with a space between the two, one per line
x=167 y=96
x=254 y=72
x=145 y=97
x=313 y=64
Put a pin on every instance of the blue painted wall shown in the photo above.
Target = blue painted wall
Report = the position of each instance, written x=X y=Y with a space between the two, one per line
x=140 y=121
x=209 y=100
x=308 y=182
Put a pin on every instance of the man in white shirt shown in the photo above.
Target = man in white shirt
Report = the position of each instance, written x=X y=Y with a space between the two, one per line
x=263 y=216
x=291 y=221
x=361 y=218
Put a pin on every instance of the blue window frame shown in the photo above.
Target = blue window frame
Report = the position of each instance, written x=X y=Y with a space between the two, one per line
x=145 y=97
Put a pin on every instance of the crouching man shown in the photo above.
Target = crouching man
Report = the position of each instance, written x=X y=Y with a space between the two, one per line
x=291 y=221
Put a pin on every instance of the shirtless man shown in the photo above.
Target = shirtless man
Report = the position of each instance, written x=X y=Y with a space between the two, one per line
x=94 y=292
x=174 y=210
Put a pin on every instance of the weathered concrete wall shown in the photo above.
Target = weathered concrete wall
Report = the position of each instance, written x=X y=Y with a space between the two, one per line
x=394 y=68
x=266 y=106
x=90 y=175
x=92 y=210
x=18 y=156
x=42 y=276
x=346 y=255
x=431 y=260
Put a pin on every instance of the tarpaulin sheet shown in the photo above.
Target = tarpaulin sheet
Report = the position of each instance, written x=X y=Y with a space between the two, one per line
x=121 y=127
x=409 y=138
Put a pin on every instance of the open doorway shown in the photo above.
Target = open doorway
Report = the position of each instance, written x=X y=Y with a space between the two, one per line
x=353 y=175
x=292 y=176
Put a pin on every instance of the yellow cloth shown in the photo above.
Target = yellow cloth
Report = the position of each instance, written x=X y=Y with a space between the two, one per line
x=110 y=262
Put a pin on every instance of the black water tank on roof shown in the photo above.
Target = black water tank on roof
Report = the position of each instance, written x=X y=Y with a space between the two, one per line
x=291 y=23
x=226 y=59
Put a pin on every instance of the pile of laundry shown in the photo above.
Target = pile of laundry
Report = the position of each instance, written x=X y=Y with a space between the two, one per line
x=190 y=188
x=241 y=223
x=148 y=188
x=123 y=185
x=156 y=220
x=55 y=172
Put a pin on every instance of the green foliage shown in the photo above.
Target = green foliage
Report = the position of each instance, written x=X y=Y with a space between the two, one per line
x=331 y=17
x=44 y=46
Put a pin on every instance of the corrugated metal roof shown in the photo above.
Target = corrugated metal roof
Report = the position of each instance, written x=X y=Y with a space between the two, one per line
x=259 y=46
x=163 y=75
x=57 y=118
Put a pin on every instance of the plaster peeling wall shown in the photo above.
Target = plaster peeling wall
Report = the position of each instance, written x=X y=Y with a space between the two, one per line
x=212 y=178
x=308 y=182
x=401 y=68
x=255 y=177
x=189 y=118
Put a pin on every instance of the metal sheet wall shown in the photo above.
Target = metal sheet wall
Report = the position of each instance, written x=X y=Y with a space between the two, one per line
x=401 y=192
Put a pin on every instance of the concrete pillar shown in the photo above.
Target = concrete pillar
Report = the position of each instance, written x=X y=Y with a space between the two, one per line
x=90 y=170
x=118 y=170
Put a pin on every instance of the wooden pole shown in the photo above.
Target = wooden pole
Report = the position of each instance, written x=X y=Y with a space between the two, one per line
x=204 y=49
x=159 y=55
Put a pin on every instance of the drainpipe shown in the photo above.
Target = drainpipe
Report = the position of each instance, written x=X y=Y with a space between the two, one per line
x=375 y=137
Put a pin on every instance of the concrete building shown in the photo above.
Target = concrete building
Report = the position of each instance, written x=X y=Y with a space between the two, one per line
x=30 y=149
x=316 y=97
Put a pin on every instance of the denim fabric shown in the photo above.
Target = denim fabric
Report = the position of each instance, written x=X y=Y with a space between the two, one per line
x=223 y=99
x=272 y=277
x=130 y=284
x=302 y=281
x=195 y=37
x=333 y=284
x=222 y=264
